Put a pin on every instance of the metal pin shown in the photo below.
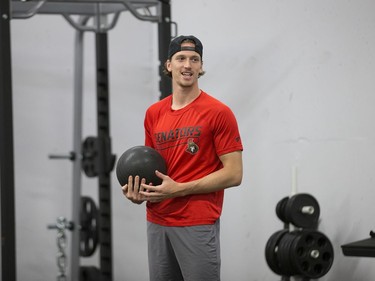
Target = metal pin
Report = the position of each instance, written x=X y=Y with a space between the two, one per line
x=308 y=210
x=314 y=254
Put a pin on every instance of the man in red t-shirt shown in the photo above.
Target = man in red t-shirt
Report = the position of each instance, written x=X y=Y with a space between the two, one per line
x=199 y=139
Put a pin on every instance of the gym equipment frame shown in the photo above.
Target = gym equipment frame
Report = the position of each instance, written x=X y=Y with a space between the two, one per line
x=105 y=14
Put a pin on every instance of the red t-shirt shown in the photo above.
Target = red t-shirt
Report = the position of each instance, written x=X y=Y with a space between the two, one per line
x=190 y=140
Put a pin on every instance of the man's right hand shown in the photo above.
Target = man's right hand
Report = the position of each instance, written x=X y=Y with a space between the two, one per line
x=132 y=188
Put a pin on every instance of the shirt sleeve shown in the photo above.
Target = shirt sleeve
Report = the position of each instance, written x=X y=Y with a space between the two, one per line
x=148 y=132
x=226 y=133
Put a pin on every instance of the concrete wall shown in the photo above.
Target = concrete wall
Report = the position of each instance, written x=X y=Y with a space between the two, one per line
x=297 y=74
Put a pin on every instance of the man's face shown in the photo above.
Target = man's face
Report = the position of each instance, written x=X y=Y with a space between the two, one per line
x=185 y=66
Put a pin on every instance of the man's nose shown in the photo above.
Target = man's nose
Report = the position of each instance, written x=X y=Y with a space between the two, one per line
x=187 y=64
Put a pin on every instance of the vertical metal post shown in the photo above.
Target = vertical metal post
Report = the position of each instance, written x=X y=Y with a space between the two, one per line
x=77 y=148
x=164 y=30
x=8 y=228
x=105 y=157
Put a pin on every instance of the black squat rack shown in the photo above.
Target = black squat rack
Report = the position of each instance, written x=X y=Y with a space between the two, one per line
x=90 y=226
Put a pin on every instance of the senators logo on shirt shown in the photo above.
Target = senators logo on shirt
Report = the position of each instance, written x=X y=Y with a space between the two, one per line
x=192 y=147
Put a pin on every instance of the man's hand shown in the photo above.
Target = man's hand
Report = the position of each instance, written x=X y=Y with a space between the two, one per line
x=133 y=190
x=167 y=189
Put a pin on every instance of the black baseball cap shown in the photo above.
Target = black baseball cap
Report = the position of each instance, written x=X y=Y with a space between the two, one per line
x=175 y=45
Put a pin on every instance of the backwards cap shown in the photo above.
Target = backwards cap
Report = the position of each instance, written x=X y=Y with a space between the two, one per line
x=175 y=45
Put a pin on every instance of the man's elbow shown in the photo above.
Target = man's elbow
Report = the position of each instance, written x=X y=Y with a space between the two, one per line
x=237 y=179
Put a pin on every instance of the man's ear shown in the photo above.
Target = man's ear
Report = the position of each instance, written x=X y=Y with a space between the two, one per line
x=167 y=65
x=201 y=71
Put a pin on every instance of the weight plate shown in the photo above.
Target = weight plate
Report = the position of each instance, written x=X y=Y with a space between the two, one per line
x=271 y=251
x=311 y=254
x=280 y=209
x=302 y=210
x=283 y=253
x=89 y=231
x=90 y=157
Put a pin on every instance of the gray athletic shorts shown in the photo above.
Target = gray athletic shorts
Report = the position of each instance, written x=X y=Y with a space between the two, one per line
x=184 y=253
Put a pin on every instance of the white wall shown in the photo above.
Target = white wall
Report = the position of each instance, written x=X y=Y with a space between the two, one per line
x=297 y=74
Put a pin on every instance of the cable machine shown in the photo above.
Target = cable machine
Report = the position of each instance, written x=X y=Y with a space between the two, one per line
x=91 y=226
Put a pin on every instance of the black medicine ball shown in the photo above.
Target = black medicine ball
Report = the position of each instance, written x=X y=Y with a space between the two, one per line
x=140 y=161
